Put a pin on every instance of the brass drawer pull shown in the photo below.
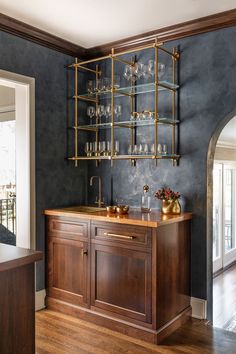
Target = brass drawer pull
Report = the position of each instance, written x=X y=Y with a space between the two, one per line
x=108 y=234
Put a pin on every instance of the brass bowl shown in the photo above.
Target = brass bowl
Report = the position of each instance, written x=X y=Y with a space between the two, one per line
x=111 y=209
x=122 y=209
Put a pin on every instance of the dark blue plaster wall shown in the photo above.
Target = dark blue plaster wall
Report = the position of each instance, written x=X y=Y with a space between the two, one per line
x=207 y=96
x=58 y=183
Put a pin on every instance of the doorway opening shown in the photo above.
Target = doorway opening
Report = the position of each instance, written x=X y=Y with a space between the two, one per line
x=224 y=229
x=17 y=160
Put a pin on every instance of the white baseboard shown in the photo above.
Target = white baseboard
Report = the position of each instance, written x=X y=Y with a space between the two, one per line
x=199 y=308
x=40 y=300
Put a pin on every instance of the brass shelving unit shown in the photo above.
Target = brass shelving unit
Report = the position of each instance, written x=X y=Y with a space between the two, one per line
x=131 y=92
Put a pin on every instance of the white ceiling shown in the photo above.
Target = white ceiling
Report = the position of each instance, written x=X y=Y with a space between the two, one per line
x=228 y=134
x=95 y=22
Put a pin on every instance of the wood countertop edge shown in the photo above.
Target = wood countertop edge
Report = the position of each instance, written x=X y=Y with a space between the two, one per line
x=118 y=220
x=20 y=261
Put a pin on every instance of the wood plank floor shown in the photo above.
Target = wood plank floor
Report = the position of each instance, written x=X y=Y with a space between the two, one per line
x=61 y=334
x=224 y=297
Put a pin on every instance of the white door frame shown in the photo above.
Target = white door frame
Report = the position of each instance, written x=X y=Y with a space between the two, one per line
x=25 y=156
x=224 y=258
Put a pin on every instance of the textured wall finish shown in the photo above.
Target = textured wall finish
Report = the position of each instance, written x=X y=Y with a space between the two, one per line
x=58 y=183
x=207 y=96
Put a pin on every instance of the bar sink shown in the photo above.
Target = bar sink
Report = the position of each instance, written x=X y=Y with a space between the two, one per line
x=84 y=209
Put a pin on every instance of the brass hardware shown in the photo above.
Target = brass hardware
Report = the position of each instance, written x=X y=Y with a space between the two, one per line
x=108 y=234
x=84 y=252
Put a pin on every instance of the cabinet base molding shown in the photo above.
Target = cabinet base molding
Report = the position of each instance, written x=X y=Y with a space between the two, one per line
x=130 y=329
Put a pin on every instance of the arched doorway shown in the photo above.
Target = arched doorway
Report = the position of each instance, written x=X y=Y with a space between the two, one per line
x=221 y=246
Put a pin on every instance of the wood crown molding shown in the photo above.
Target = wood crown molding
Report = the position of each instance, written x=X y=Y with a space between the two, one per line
x=23 y=30
x=177 y=31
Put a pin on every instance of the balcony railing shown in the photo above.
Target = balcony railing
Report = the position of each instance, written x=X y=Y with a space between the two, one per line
x=8 y=214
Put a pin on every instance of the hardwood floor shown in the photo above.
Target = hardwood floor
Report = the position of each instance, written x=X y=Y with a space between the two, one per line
x=224 y=297
x=61 y=334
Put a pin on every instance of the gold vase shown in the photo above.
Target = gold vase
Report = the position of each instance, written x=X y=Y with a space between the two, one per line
x=171 y=207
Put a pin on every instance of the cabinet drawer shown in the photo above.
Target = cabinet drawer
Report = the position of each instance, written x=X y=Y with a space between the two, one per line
x=67 y=228
x=126 y=234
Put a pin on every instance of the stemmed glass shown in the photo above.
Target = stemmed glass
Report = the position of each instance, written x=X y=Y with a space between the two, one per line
x=161 y=70
x=90 y=87
x=128 y=72
x=91 y=112
x=117 y=110
x=117 y=148
x=88 y=149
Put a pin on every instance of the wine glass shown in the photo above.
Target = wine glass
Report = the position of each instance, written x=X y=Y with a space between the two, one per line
x=108 y=111
x=117 y=110
x=146 y=74
x=128 y=72
x=151 y=67
x=98 y=85
x=138 y=70
x=161 y=70
x=100 y=111
x=91 y=112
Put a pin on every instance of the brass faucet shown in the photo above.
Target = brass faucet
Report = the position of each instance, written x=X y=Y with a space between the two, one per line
x=99 y=201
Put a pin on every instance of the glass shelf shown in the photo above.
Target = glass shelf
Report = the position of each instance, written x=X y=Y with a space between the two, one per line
x=130 y=90
x=127 y=157
x=127 y=124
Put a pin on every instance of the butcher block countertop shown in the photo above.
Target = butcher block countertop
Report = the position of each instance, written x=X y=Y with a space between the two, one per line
x=13 y=257
x=134 y=217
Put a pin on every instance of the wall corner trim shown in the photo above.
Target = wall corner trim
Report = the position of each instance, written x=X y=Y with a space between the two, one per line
x=199 y=308
x=40 y=300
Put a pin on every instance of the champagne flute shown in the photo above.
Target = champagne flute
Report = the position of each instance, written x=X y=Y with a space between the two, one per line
x=117 y=148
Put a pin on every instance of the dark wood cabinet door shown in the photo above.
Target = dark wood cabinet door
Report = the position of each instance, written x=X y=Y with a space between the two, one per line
x=121 y=282
x=67 y=270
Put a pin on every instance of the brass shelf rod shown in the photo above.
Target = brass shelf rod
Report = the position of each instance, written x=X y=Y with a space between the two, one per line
x=82 y=98
x=92 y=60
x=174 y=54
x=76 y=114
x=88 y=69
x=123 y=61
